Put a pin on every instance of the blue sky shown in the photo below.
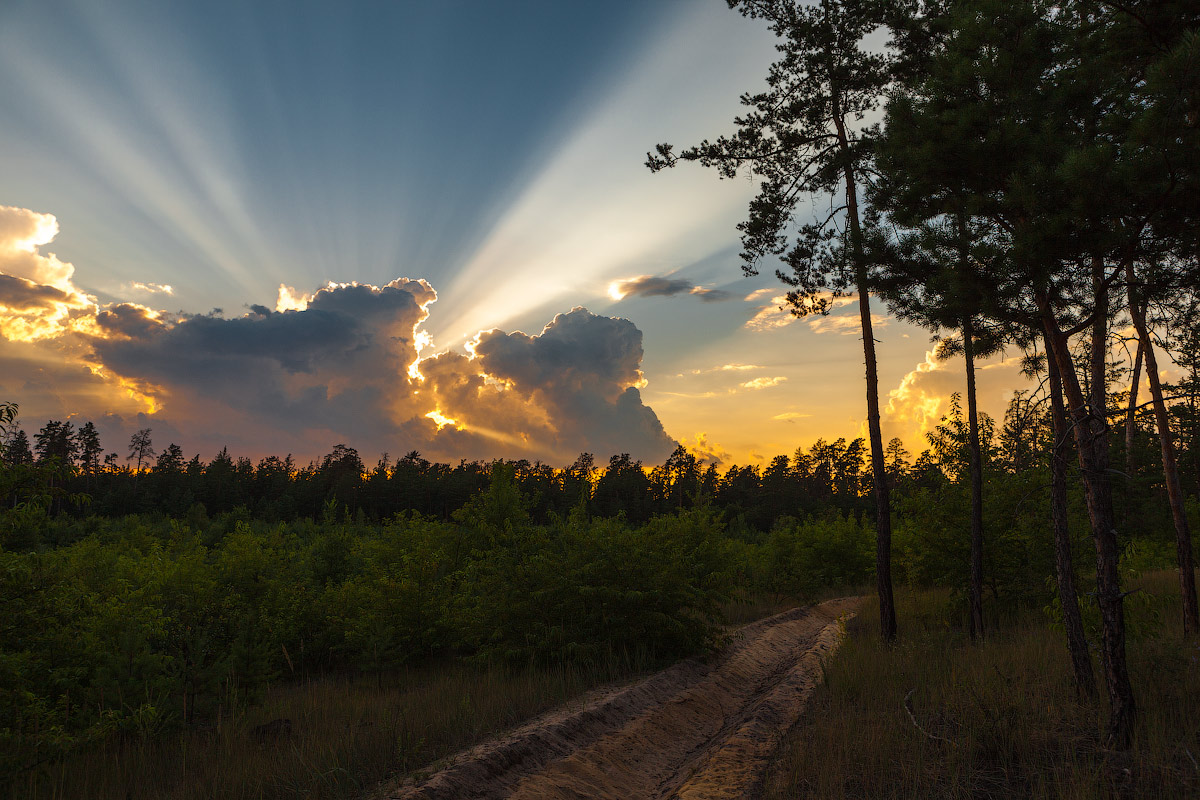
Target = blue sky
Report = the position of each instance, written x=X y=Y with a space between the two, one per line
x=493 y=150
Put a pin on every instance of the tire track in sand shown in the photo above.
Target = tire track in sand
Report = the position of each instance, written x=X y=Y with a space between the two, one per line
x=699 y=730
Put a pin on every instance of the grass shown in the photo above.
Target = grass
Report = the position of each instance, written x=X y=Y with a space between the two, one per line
x=998 y=719
x=347 y=735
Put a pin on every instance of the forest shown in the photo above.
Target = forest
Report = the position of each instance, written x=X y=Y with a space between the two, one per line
x=1017 y=178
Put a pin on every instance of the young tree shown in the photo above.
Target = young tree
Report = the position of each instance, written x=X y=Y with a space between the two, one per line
x=87 y=440
x=56 y=440
x=141 y=449
x=171 y=460
x=1064 y=568
x=16 y=448
x=934 y=275
x=799 y=137
x=1183 y=536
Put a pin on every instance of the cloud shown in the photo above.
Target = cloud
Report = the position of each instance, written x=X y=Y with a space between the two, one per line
x=21 y=295
x=707 y=452
x=726 y=368
x=778 y=313
x=789 y=416
x=763 y=383
x=152 y=288
x=922 y=398
x=341 y=364
x=37 y=297
x=651 y=286
x=129 y=320
x=291 y=300
x=845 y=324
x=22 y=233
x=583 y=371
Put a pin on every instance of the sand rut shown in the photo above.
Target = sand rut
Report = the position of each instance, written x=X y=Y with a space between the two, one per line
x=695 y=730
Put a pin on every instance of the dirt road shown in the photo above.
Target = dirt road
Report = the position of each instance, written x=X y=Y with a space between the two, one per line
x=700 y=729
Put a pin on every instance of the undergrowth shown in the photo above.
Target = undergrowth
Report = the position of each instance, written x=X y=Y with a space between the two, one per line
x=936 y=716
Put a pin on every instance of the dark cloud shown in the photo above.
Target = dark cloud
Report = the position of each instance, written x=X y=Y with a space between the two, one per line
x=126 y=319
x=19 y=294
x=652 y=286
x=583 y=369
x=339 y=370
x=341 y=364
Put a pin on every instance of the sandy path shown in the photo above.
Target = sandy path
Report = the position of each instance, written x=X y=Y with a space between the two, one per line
x=699 y=729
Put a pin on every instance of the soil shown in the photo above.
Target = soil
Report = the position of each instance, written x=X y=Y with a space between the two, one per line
x=703 y=728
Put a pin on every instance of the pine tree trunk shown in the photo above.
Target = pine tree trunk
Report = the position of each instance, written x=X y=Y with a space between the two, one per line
x=976 y=600
x=1183 y=537
x=1085 y=681
x=883 y=517
x=1131 y=410
x=1091 y=432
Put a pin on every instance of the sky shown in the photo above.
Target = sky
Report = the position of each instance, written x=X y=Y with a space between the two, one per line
x=279 y=226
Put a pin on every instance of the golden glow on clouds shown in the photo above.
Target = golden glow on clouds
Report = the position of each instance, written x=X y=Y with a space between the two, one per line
x=50 y=310
x=706 y=451
x=911 y=402
x=421 y=340
x=142 y=393
x=616 y=290
x=441 y=420
x=788 y=416
x=291 y=300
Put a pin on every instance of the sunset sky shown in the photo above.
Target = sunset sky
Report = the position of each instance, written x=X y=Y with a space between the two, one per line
x=401 y=225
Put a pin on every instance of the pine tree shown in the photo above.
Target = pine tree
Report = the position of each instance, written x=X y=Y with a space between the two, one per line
x=87 y=440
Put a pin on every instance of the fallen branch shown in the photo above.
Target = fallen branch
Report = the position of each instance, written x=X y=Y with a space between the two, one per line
x=917 y=725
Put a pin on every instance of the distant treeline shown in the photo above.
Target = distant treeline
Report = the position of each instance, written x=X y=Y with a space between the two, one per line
x=829 y=478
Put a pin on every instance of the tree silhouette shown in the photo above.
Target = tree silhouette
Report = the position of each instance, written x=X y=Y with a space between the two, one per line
x=56 y=440
x=87 y=440
x=16 y=448
x=141 y=449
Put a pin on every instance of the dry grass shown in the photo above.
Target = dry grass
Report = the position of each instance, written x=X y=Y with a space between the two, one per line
x=346 y=736
x=995 y=720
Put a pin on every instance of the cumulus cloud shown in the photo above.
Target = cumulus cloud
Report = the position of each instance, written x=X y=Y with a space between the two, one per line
x=22 y=233
x=343 y=363
x=37 y=297
x=654 y=286
x=583 y=373
x=922 y=397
